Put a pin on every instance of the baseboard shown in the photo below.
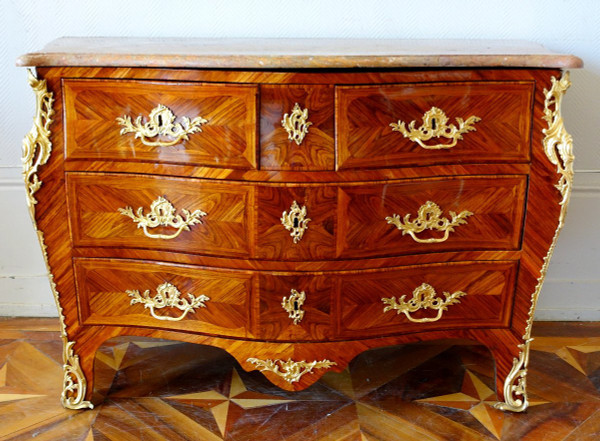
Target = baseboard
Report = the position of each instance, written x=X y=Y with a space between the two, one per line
x=26 y=297
x=567 y=315
x=28 y=310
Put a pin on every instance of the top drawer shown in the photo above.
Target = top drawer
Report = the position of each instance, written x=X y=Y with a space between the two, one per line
x=436 y=123
x=191 y=123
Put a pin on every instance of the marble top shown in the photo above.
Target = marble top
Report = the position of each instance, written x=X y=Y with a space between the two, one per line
x=294 y=53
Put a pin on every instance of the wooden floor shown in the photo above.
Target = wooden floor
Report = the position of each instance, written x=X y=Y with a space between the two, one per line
x=159 y=390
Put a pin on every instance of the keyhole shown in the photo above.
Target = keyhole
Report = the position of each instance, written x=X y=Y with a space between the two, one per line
x=433 y=123
x=296 y=222
x=160 y=121
x=296 y=305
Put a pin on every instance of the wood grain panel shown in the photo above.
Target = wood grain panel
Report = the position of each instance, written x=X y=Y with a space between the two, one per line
x=274 y=322
x=354 y=175
x=301 y=76
x=366 y=140
x=275 y=242
x=497 y=205
x=228 y=138
x=102 y=286
x=277 y=152
x=302 y=265
x=95 y=200
x=488 y=287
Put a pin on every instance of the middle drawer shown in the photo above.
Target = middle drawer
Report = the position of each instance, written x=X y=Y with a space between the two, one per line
x=297 y=222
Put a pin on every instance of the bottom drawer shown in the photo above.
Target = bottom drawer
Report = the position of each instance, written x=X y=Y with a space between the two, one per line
x=295 y=306
x=425 y=298
x=182 y=297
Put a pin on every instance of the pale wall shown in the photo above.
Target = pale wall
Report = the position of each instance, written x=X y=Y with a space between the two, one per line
x=573 y=285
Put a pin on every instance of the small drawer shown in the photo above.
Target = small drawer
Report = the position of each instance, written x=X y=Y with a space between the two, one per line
x=426 y=298
x=296 y=222
x=159 y=295
x=439 y=123
x=295 y=307
x=431 y=215
x=169 y=122
x=296 y=126
x=152 y=212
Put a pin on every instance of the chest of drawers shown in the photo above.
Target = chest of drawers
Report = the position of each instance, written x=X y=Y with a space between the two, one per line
x=298 y=204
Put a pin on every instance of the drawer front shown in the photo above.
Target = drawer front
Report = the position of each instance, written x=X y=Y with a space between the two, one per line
x=142 y=293
x=296 y=222
x=220 y=130
x=295 y=306
x=296 y=126
x=425 y=298
x=463 y=213
x=108 y=210
x=453 y=123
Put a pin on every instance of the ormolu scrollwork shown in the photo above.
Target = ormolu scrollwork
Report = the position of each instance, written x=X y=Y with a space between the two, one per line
x=74 y=383
x=162 y=214
x=291 y=371
x=558 y=146
x=424 y=297
x=515 y=384
x=167 y=296
x=435 y=125
x=161 y=122
x=296 y=124
x=295 y=221
x=37 y=148
x=429 y=218
x=293 y=305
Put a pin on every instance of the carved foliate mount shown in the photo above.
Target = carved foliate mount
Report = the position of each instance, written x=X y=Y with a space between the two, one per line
x=293 y=305
x=424 y=297
x=295 y=221
x=435 y=125
x=74 y=382
x=37 y=148
x=161 y=122
x=515 y=384
x=167 y=296
x=296 y=124
x=429 y=217
x=162 y=214
x=291 y=371
x=558 y=144
x=558 y=147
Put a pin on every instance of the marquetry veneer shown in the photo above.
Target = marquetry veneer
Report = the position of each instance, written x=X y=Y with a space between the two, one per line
x=293 y=217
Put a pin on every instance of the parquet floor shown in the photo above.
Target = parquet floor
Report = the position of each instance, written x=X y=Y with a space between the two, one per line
x=159 y=390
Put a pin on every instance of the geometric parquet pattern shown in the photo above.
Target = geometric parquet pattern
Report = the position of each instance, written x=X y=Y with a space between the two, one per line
x=160 y=390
